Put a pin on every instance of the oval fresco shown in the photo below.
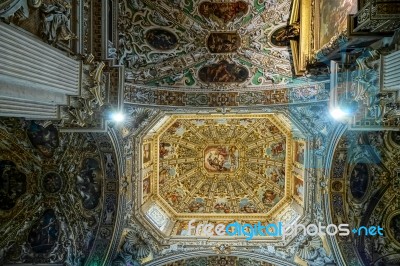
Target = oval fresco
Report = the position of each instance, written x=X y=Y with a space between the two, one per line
x=161 y=39
x=88 y=183
x=13 y=184
x=44 y=234
x=52 y=182
x=395 y=227
x=223 y=72
x=359 y=181
x=223 y=42
x=223 y=13
x=45 y=139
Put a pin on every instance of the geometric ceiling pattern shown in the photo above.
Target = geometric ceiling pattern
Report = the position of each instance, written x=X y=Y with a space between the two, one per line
x=223 y=167
x=202 y=44
x=128 y=194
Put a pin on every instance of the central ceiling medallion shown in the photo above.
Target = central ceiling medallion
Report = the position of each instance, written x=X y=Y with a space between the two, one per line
x=223 y=42
x=221 y=158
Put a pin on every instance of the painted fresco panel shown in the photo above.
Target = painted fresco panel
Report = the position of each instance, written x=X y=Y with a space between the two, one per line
x=333 y=17
x=223 y=13
x=223 y=72
x=45 y=139
x=44 y=233
x=12 y=184
x=359 y=180
x=222 y=158
x=223 y=42
x=161 y=39
x=88 y=183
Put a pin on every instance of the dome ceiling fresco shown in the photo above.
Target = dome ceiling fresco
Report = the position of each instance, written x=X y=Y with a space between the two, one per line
x=204 y=44
x=239 y=167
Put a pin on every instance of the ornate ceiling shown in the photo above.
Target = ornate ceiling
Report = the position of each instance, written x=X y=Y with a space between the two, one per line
x=218 y=128
x=204 y=44
x=223 y=167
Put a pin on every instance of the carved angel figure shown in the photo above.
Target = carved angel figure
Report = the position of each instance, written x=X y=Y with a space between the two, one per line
x=55 y=20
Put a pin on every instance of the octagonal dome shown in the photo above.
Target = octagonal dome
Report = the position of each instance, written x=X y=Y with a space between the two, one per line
x=222 y=167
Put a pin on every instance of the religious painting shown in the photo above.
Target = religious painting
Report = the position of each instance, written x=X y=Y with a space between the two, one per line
x=395 y=227
x=146 y=153
x=223 y=42
x=166 y=150
x=283 y=35
x=333 y=17
x=223 y=13
x=44 y=234
x=276 y=174
x=161 y=39
x=88 y=183
x=197 y=205
x=221 y=205
x=223 y=72
x=13 y=184
x=298 y=187
x=52 y=182
x=276 y=150
x=175 y=197
x=247 y=206
x=45 y=139
x=269 y=197
x=146 y=186
x=221 y=158
x=359 y=180
x=166 y=172
x=299 y=148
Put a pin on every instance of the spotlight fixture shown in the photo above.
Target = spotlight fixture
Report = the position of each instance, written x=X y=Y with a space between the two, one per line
x=117 y=117
x=338 y=114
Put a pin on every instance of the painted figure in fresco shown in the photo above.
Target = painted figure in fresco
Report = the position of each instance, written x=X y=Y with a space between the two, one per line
x=222 y=13
x=146 y=153
x=278 y=148
x=165 y=150
x=45 y=139
x=269 y=197
x=146 y=186
x=222 y=207
x=299 y=156
x=196 y=205
x=359 y=180
x=12 y=184
x=87 y=183
x=247 y=206
x=277 y=175
x=221 y=158
x=223 y=42
x=299 y=188
x=223 y=72
x=44 y=233
x=161 y=39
